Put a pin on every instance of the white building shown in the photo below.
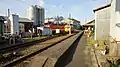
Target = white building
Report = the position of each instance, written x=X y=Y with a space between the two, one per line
x=37 y=14
x=111 y=28
x=115 y=27
x=23 y=26
x=102 y=22
x=115 y=20
x=30 y=12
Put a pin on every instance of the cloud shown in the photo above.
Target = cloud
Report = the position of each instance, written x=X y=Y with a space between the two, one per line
x=53 y=6
x=41 y=3
x=61 y=6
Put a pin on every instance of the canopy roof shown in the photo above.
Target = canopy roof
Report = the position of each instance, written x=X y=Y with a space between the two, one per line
x=67 y=21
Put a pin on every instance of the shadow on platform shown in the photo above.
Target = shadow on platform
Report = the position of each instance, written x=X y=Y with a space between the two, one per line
x=67 y=57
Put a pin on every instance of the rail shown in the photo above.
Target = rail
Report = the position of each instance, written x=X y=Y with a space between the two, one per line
x=10 y=48
x=11 y=63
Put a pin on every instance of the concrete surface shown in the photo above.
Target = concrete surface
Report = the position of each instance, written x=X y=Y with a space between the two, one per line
x=53 y=53
x=78 y=59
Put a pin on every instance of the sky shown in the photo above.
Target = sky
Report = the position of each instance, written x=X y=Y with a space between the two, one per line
x=80 y=9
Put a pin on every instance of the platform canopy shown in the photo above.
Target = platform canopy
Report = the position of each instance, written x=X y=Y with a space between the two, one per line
x=91 y=23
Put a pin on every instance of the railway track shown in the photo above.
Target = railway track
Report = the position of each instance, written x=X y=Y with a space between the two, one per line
x=21 y=58
x=57 y=55
x=26 y=44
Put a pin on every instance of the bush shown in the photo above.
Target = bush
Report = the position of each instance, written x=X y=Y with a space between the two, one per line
x=91 y=41
x=102 y=46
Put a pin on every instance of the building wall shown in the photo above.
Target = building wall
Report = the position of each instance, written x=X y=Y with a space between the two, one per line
x=8 y=30
x=7 y=27
x=21 y=27
x=14 y=24
x=102 y=24
x=114 y=29
x=30 y=13
x=115 y=18
x=42 y=16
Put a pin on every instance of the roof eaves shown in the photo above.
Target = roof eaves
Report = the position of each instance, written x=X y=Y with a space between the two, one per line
x=91 y=21
x=108 y=5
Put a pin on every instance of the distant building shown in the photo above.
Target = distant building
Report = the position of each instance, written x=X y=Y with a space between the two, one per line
x=102 y=22
x=73 y=22
x=37 y=14
x=54 y=20
x=23 y=25
x=67 y=21
x=76 y=24
x=49 y=20
x=90 y=25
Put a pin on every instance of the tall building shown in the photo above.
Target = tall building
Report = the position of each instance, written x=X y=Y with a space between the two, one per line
x=37 y=14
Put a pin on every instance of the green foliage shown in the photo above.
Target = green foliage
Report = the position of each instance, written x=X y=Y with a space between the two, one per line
x=114 y=63
x=101 y=43
x=91 y=42
x=102 y=46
